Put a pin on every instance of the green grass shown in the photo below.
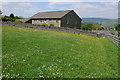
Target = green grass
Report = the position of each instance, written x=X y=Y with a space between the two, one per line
x=0 y=49
x=35 y=53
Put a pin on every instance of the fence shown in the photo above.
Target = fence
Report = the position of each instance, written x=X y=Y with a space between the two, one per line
x=114 y=38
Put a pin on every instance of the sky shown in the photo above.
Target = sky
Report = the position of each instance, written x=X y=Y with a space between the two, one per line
x=85 y=9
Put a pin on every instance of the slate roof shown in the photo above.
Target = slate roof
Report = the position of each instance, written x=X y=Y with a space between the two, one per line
x=51 y=14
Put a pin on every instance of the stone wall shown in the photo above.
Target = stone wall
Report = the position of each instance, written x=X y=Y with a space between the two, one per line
x=55 y=22
x=64 y=29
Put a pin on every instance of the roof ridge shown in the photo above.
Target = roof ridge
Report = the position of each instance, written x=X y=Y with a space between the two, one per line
x=51 y=14
x=55 y=11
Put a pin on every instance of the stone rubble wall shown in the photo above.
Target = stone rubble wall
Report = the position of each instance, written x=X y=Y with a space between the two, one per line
x=53 y=28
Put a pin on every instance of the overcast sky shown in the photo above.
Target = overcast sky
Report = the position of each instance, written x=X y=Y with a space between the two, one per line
x=83 y=9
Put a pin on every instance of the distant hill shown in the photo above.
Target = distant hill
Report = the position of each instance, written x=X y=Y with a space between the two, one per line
x=110 y=24
x=94 y=20
x=107 y=23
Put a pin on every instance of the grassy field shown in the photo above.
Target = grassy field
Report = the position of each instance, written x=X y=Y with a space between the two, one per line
x=0 y=40
x=35 y=53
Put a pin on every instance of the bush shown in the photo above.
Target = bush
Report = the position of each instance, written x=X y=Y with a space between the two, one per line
x=97 y=26
x=44 y=24
x=17 y=17
x=51 y=25
x=6 y=18
x=117 y=27
x=11 y=18
x=86 y=26
x=113 y=32
x=102 y=28
x=83 y=26
x=0 y=18
x=89 y=26
x=17 y=20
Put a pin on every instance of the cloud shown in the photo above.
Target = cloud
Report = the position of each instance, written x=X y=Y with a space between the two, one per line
x=82 y=0
x=93 y=9
x=59 y=0
x=51 y=5
x=19 y=8
x=83 y=9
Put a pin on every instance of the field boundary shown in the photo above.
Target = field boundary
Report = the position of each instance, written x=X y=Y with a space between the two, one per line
x=53 y=28
x=113 y=38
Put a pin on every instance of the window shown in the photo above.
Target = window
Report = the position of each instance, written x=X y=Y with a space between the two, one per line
x=56 y=20
x=67 y=21
x=43 y=21
x=38 y=21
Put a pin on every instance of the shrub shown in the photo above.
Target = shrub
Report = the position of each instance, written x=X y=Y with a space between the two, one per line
x=83 y=26
x=102 y=28
x=51 y=25
x=86 y=26
x=45 y=24
x=89 y=26
x=113 y=32
x=17 y=17
x=117 y=27
x=6 y=18
x=0 y=18
x=97 y=26
x=11 y=18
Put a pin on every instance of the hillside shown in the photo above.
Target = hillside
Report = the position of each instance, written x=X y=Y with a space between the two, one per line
x=110 y=23
x=107 y=23
x=94 y=20
x=35 y=53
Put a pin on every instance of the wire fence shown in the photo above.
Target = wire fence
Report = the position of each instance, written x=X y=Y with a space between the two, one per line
x=114 y=38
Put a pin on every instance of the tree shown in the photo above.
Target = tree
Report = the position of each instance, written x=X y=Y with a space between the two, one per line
x=102 y=28
x=89 y=26
x=12 y=15
x=117 y=27
x=7 y=18
x=96 y=26
x=18 y=17
x=1 y=12
x=83 y=26
x=86 y=26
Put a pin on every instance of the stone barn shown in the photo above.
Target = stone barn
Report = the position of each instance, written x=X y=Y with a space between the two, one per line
x=67 y=18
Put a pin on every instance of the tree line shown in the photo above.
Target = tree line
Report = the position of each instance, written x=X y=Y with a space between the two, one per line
x=10 y=18
x=96 y=26
x=91 y=26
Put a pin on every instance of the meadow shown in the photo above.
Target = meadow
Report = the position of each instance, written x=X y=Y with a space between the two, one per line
x=35 y=53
